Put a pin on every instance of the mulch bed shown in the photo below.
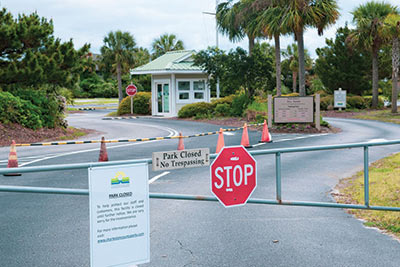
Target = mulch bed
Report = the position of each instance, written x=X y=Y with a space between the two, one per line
x=9 y=132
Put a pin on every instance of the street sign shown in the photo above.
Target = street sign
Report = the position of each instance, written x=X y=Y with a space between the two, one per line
x=179 y=159
x=131 y=90
x=233 y=176
x=340 y=98
x=119 y=215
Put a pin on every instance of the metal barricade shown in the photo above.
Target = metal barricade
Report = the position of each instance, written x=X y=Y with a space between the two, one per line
x=278 y=201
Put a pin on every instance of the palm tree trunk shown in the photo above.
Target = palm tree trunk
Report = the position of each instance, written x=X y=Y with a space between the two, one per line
x=375 y=76
x=251 y=44
x=278 y=64
x=294 y=79
x=302 y=70
x=119 y=82
x=395 y=73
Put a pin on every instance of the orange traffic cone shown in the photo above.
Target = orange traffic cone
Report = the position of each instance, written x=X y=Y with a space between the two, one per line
x=266 y=136
x=181 y=146
x=220 y=143
x=12 y=160
x=245 y=137
x=103 y=151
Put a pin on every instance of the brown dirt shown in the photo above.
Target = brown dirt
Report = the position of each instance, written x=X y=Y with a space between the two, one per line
x=340 y=114
x=9 y=132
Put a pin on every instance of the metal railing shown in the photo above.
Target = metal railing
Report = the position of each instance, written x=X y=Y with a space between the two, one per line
x=278 y=201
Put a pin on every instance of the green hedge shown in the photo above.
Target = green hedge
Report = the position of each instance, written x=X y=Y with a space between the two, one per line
x=51 y=108
x=16 y=110
x=141 y=104
x=196 y=109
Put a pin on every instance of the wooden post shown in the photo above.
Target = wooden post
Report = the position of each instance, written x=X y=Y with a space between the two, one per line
x=317 y=112
x=269 y=111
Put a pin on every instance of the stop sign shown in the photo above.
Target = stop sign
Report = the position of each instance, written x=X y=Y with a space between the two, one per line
x=233 y=176
x=131 y=90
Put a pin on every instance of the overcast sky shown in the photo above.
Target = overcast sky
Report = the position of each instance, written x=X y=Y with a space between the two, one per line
x=88 y=21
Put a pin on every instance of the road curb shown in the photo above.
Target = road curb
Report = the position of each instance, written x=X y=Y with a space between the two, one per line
x=120 y=118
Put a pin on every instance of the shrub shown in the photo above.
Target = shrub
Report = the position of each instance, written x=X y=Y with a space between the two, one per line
x=195 y=109
x=223 y=109
x=368 y=100
x=51 y=108
x=106 y=89
x=141 y=104
x=16 y=110
x=356 y=101
x=224 y=100
x=240 y=103
x=326 y=102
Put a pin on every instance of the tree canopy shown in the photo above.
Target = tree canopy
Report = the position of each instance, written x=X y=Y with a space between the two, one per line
x=30 y=55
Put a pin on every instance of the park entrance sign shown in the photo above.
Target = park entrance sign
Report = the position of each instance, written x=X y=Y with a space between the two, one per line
x=233 y=176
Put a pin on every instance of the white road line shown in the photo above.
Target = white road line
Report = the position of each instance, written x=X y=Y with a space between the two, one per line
x=228 y=133
x=155 y=178
x=171 y=131
x=291 y=139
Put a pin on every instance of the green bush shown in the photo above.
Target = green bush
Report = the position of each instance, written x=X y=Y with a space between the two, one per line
x=223 y=110
x=195 y=109
x=357 y=102
x=239 y=104
x=141 y=104
x=368 y=100
x=106 y=90
x=16 y=110
x=326 y=102
x=51 y=107
x=224 y=100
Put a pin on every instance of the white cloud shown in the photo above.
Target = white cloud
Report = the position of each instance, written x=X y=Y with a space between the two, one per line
x=88 y=21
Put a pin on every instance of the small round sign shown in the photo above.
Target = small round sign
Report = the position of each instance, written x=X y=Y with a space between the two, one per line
x=131 y=90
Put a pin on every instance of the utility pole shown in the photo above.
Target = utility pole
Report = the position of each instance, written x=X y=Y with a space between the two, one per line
x=216 y=35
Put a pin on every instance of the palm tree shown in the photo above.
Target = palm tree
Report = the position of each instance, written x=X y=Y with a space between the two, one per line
x=165 y=43
x=270 y=23
x=118 y=51
x=236 y=20
x=391 y=30
x=300 y=14
x=292 y=53
x=368 y=34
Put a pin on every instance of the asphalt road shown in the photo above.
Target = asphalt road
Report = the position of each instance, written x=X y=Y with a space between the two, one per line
x=49 y=230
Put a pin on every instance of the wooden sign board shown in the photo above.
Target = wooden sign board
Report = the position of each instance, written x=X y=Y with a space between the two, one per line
x=299 y=109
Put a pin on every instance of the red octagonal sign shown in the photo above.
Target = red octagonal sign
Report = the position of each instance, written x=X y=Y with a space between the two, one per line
x=131 y=90
x=233 y=176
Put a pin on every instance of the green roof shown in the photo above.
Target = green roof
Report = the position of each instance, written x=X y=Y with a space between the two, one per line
x=170 y=62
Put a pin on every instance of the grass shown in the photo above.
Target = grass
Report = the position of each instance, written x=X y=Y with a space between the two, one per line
x=258 y=106
x=95 y=101
x=380 y=115
x=72 y=133
x=112 y=114
x=384 y=176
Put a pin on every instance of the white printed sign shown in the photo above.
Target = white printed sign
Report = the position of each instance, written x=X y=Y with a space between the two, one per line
x=119 y=215
x=339 y=98
x=180 y=159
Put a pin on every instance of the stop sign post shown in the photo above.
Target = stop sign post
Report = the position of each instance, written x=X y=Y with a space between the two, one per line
x=233 y=176
x=131 y=90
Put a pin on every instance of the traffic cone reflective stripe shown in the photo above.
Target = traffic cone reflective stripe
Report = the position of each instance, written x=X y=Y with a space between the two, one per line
x=245 y=137
x=12 y=160
x=181 y=146
x=266 y=136
x=103 y=151
x=220 y=143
